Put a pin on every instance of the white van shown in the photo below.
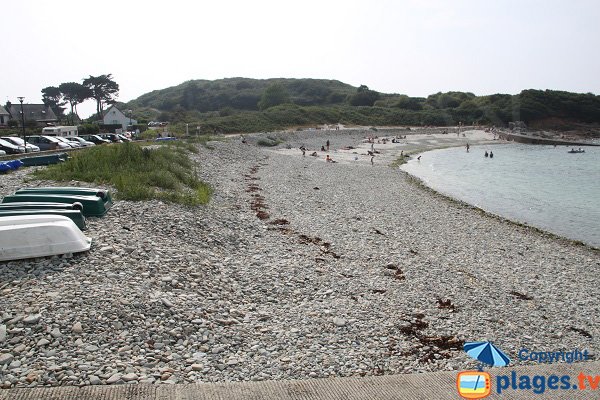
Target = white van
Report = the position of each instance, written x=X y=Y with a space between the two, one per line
x=64 y=131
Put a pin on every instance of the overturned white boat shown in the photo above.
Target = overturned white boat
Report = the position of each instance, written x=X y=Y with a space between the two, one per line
x=28 y=236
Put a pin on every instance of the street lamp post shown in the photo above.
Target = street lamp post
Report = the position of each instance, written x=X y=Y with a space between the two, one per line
x=130 y=127
x=23 y=122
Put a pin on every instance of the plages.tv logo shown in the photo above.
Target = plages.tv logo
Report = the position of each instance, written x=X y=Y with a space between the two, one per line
x=478 y=384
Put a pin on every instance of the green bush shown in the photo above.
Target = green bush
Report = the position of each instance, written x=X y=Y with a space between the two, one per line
x=268 y=142
x=88 y=129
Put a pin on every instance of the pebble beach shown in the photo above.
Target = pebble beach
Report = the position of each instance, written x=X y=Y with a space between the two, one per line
x=297 y=268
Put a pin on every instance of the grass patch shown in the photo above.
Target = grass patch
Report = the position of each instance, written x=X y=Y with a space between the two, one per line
x=204 y=139
x=138 y=173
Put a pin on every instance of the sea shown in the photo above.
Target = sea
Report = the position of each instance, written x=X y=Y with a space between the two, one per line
x=543 y=186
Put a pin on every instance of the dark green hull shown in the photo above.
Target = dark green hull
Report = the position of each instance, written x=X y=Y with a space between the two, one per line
x=93 y=206
x=80 y=191
x=44 y=160
x=39 y=206
x=75 y=215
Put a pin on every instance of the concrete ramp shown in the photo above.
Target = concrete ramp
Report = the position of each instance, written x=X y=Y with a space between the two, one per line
x=431 y=386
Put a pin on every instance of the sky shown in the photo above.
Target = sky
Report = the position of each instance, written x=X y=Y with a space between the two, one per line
x=413 y=47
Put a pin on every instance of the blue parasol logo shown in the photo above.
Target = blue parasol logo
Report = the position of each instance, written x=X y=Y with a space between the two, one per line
x=486 y=353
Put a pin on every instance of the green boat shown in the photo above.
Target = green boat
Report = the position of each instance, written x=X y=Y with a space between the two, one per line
x=80 y=191
x=75 y=215
x=40 y=206
x=93 y=206
x=45 y=159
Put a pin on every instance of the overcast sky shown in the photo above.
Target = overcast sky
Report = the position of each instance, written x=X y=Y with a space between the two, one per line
x=415 y=47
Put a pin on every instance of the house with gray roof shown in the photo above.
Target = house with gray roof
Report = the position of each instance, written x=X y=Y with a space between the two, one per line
x=4 y=117
x=40 y=113
x=114 y=116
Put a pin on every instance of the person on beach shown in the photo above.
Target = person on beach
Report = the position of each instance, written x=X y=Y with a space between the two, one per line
x=303 y=149
x=314 y=154
x=468 y=147
x=322 y=148
x=328 y=159
x=372 y=157
x=327 y=144
x=243 y=139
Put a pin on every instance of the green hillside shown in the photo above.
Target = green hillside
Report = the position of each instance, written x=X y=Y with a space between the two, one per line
x=249 y=105
x=242 y=94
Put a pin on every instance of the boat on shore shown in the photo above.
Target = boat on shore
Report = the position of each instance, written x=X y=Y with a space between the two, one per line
x=93 y=206
x=74 y=215
x=30 y=236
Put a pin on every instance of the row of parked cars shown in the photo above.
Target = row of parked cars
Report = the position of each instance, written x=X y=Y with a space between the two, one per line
x=16 y=145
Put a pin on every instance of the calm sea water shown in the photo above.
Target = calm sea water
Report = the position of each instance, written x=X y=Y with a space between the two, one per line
x=543 y=186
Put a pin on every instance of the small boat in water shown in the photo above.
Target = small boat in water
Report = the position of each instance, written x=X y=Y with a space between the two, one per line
x=573 y=151
x=29 y=236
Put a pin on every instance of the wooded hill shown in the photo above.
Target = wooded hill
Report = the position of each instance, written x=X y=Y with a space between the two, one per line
x=249 y=105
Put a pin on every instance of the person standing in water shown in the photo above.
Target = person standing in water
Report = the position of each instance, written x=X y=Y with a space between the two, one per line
x=491 y=154
x=468 y=147
x=327 y=144
x=486 y=153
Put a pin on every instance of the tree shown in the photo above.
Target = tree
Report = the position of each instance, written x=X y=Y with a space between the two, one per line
x=273 y=95
x=104 y=90
x=363 y=97
x=74 y=93
x=52 y=97
x=408 y=103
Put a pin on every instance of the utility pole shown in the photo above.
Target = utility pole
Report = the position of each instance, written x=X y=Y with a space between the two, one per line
x=23 y=122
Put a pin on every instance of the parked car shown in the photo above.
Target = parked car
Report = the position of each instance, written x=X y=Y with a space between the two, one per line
x=123 y=138
x=68 y=141
x=10 y=148
x=82 y=141
x=17 y=141
x=47 y=142
x=96 y=139
x=112 y=137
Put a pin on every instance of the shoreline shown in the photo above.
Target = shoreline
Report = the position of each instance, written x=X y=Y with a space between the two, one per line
x=418 y=181
x=492 y=214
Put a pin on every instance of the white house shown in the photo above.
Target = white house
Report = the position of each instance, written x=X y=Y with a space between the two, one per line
x=114 y=116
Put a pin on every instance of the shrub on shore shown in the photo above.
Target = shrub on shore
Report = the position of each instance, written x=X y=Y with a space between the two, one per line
x=138 y=173
x=269 y=141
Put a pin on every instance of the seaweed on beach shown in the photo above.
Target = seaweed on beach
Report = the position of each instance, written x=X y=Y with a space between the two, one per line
x=440 y=345
x=582 y=332
x=521 y=296
x=446 y=304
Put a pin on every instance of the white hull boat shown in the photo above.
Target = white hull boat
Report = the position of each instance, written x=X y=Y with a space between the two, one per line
x=29 y=236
